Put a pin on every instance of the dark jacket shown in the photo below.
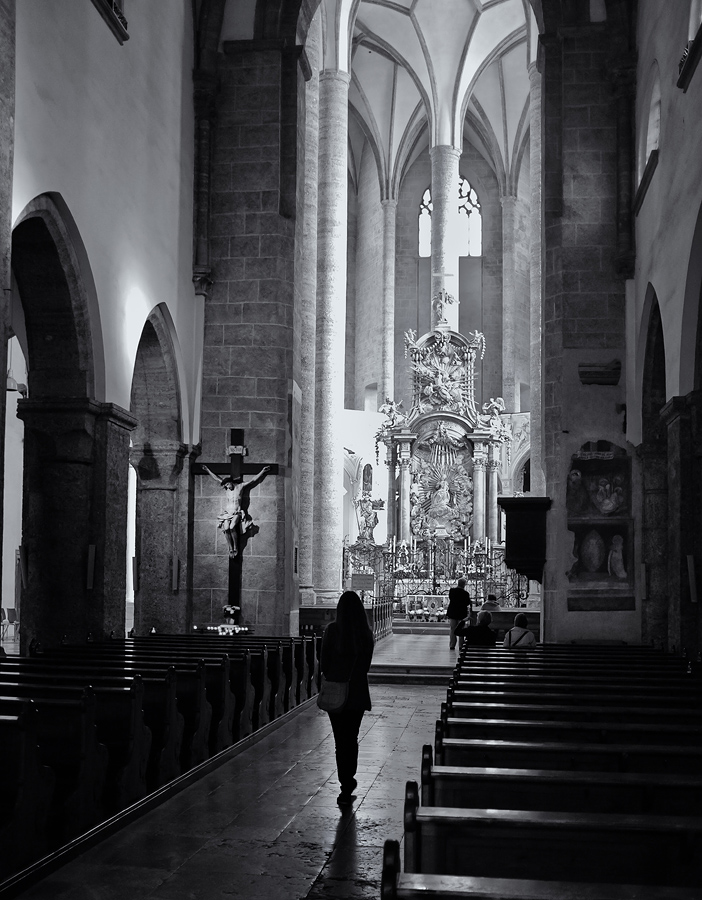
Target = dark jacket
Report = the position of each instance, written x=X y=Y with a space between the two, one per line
x=337 y=662
x=479 y=636
x=459 y=603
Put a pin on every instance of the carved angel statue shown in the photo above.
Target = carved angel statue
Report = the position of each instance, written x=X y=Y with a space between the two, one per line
x=393 y=411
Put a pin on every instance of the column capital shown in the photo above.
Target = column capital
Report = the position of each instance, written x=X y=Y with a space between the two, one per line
x=332 y=75
x=389 y=203
x=445 y=150
x=480 y=463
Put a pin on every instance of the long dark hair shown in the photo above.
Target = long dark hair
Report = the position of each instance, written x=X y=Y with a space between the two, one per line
x=353 y=629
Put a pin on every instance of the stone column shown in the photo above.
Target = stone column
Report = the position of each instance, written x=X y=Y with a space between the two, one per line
x=74 y=519
x=387 y=385
x=404 y=459
x=308 y=324
x=444 y=247
x=492 y=466
x=7 y=144
x=160 y=590
x=331 y=321
x=510 y=389
x=538 y=481
x=479 y=464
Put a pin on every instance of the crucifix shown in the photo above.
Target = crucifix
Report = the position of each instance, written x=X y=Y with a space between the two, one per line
x=235 y=522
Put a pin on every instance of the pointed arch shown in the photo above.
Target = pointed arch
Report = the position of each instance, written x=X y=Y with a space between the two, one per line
x=155 y=397
x=59 y=299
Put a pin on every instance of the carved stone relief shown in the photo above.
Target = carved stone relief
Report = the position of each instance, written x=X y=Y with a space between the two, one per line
x=598 y=502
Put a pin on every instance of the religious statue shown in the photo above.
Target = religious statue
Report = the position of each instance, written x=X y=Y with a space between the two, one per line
x=393 y=411
x=235 y=521
x=615 y=560
x=368 y=516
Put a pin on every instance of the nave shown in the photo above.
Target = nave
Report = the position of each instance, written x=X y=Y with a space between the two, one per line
x=266 y=823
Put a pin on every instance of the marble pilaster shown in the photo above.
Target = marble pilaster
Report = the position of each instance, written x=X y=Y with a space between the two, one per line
x=392 y=513
x=331 y=328
x=492 y=467
x=479 y=466
x=444 y=216
x=404 y=459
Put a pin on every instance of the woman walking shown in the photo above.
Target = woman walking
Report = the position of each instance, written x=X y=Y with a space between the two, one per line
x=347 y=650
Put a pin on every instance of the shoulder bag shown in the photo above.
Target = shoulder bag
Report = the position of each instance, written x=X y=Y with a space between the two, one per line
x=332 y=695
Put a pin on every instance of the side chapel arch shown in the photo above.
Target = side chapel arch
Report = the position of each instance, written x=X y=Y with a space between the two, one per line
x=158 y=456
x=74 y=493
x=654 y=464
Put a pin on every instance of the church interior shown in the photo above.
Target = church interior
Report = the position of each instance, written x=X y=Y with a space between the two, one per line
x=305 y=296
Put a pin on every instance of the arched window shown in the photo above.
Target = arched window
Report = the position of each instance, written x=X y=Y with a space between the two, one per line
x=470 y=238
x=650 y=133
x=695 y=19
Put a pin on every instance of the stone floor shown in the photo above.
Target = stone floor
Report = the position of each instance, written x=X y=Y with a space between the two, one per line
x=266 y=824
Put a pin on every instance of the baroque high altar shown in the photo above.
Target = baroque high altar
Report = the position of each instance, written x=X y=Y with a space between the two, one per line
x=445 y=454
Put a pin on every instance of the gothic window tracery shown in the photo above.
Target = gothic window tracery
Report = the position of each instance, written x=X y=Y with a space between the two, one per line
x=469 y=217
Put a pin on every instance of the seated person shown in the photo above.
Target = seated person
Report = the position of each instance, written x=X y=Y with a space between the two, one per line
x=519 y=637
x=491 y=602
x=480 y=635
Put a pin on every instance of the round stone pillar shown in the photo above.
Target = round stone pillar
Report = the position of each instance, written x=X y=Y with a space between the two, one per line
x=444 y=230
x=510 y=388
x=308 y=323
x=387 y=380
x=537 y=479
x=479 y=464
x=331 y=332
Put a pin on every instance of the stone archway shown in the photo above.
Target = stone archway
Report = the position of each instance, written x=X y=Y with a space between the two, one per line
x=159 y=457
x=74 y=495
x=653 y=453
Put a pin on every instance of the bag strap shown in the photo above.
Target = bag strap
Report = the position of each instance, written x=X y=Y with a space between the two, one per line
x=518 y=639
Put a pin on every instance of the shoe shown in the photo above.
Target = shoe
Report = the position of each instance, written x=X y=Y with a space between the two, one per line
x=345 y=799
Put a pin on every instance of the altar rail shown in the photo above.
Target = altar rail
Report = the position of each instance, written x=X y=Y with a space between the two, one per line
x=314 y=619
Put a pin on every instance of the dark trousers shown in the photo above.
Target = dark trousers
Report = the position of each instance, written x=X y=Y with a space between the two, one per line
x=345 y=725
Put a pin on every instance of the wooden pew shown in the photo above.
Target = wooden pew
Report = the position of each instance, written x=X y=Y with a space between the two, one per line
x=618 y=848
x=253 y=699
x=27 y=792
x=66 y=734
x=284 y=671
x=562 y=755
x=397 y=885
x=605 y=732
x=119 y=719
x=534 y=693
x=190 y=691
x=558 y=789
x=474 y=709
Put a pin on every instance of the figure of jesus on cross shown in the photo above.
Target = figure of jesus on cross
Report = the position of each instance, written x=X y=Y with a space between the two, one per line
x=235 y=521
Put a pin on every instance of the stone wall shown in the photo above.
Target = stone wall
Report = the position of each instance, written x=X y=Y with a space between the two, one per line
x=248 y=352
x=583 y=302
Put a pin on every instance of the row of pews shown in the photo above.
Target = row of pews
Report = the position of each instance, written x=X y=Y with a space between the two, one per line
x=564 y=773
x=87 y=731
